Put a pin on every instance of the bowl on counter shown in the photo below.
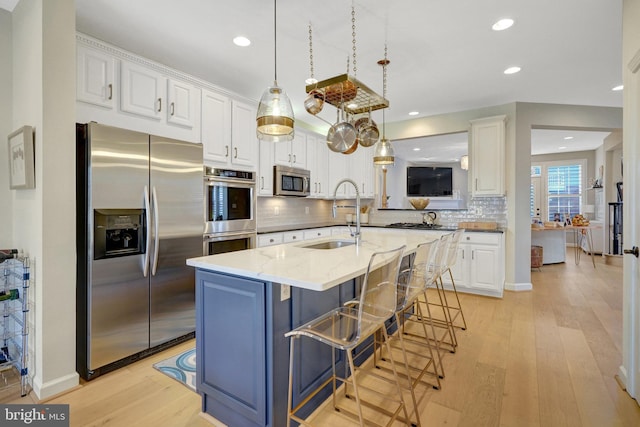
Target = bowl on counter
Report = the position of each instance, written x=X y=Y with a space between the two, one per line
x=419 y=203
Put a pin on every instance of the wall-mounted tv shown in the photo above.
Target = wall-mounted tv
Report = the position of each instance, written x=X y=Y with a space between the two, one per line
x=429 y=181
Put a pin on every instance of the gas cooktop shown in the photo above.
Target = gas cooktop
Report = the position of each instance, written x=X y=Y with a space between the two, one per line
x=420 y=225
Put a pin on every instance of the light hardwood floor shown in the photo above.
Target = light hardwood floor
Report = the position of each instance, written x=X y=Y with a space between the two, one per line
x=542 y=358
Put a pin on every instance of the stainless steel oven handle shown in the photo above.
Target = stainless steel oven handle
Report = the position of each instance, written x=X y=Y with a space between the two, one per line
x=217 y=237
x=243 y=183
x=156 y=220
x=147 y=213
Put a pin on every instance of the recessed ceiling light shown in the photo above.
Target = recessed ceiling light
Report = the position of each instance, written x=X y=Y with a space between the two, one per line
x=352 y=106
x=241 y=41
x=311 y=81
x=512 y=70
x=568 y=137
x=502 y=24
x=619 y=87
x=416 y=149
x=414 y=113
x=562 y=148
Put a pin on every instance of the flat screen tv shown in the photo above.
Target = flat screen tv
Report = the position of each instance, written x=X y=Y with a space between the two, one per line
x=429 y=181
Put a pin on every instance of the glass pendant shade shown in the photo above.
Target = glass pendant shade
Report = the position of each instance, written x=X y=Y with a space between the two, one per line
x=275 y=115
x=384 y=153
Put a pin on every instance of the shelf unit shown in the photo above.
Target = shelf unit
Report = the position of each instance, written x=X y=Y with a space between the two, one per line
x=14 y=330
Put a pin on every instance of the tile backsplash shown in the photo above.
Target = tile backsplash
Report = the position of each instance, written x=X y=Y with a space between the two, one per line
x=278 y=211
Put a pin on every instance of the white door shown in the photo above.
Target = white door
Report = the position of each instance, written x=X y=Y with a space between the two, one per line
x=630 y=370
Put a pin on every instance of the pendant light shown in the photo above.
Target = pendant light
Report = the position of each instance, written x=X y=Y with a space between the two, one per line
x=384 y=152
x=464 y=162
x=275 y=115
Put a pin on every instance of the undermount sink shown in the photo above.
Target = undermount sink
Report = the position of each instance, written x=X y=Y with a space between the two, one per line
x=331 y=244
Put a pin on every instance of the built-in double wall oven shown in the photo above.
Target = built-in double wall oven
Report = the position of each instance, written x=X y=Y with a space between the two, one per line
x=230 y=210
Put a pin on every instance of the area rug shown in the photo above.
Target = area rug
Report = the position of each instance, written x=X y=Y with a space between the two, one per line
x=181 y=367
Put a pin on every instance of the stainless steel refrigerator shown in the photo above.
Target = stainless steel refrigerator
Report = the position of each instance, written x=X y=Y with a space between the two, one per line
x=140 y=215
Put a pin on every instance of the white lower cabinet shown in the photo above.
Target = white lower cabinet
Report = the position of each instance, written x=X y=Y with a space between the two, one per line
x=479 y=267
x=315 y=233
x=292 y=236
x=269 y=239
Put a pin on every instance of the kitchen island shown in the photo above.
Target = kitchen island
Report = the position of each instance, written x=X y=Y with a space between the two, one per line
x=246 y=301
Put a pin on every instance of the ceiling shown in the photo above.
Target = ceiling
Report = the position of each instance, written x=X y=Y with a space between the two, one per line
x=444 y=55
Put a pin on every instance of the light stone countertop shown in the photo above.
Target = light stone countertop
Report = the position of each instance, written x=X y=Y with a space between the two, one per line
x=314 y=269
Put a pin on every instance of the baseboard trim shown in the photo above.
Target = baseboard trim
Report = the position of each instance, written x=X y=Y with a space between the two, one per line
x=518 y=287
x=59 y=385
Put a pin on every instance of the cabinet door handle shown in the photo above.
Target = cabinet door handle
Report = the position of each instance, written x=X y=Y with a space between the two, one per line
x=289 y=158
x=476 y=184
x=294 y=158
x=294 y=237
x=159 y=105
x=271 y=240
x=262 y=182
x=173 y=108
x=473 y=254
x=363 y=187
x=319 y=187
x=110 y=91
x=462 y=254
x=235 y=152
x=315 y=187
x=226 y=151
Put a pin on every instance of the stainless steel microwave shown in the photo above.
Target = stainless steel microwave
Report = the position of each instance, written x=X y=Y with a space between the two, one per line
x=290 y=181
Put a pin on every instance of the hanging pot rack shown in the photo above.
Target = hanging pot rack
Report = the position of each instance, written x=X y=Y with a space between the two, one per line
x=348 y=93
x=345 y=92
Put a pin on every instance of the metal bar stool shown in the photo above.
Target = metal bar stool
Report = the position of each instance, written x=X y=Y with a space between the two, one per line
x=443 y=318
x=415 y=330
x=344 y=328
x=452 y=257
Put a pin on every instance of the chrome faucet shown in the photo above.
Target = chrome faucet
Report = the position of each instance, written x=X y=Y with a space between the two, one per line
x=335 y=207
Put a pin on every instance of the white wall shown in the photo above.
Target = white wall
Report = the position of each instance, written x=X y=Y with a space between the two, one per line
x=6 y=219
x=43 y=59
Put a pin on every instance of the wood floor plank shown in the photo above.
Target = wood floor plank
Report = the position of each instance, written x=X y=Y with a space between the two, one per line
x=520 y=401
x=484 y=401
x=557 y=402
x=594 y=404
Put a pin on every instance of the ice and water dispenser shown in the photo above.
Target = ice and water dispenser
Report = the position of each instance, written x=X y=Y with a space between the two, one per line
x=118 y=232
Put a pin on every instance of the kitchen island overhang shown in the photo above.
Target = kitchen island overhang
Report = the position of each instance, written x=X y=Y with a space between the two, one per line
x=313 y=269
x=242 y=315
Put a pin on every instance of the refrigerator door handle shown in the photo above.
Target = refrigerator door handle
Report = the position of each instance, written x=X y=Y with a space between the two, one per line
x=147 y=213
x=154 y=199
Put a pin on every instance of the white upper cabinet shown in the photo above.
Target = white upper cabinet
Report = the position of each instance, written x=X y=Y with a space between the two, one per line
x=243 y=135
x=360 y=169
x=487 y=156
x=143 y=91
x=216 y=127
x=292 y=153
x=117 y=88
x=338 y=170
x=265 y=170
x=95 y=77
x=228 y=132
x=318 y=164
x=183 y=101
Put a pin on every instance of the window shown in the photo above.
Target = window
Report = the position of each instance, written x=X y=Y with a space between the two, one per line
x=564 y=189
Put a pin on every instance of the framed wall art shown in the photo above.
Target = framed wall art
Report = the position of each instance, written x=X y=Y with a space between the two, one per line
x=21 y=159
